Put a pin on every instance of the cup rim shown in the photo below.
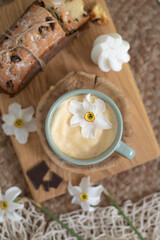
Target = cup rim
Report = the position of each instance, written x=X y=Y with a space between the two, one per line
x=99 y=158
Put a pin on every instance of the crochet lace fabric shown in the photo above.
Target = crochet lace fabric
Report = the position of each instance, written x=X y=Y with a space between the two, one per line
x=104 y=223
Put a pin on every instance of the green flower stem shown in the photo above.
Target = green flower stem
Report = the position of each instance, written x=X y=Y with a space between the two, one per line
x=123 y=214
x=23 y=200
x=60 y=222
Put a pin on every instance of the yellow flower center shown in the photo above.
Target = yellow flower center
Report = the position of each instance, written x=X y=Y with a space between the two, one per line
x=89 y=117
x=3 y=205
x=19 y=123
x=83 y=197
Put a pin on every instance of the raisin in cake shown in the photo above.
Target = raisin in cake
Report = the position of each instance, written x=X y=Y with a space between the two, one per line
x=70 y=13
x=76 y=9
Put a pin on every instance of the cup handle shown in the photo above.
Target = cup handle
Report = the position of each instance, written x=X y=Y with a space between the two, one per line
x=125 y=150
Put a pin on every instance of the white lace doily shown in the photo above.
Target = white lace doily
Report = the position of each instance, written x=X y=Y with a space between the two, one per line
x=103 y=224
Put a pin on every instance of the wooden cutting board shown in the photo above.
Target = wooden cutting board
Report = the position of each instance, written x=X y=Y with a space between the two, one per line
x=76 y=57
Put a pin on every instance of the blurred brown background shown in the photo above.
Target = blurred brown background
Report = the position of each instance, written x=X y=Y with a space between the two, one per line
x=3 y=2
x=139 y=23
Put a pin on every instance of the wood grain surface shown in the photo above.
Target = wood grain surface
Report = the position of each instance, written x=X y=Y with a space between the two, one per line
x=76 y=57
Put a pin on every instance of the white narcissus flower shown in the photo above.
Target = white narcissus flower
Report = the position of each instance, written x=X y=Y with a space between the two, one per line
x=85 y=195
x=89 y=116
x=19 y=122
x=8 y=206
x=110 y=51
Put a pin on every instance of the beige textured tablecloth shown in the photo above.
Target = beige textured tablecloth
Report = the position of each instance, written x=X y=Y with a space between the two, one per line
x=139 y=23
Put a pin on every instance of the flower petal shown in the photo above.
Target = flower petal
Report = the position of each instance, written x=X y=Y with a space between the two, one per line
x=85 y=184
x=2 y=215
x=1 y=196
x=13 y=216
x=95 y=191
x=31 y=125
x=88 y=96
x=76 y=200
x=8 y=130
x=89 y=131
x=87 y=105
x=100 y=106
x=75 y=107
x=74 y=190
x=102 y=122
x=12 y=193
x=91 y=209
x=85 y=206
x=15 y=109
x=94 y=201
x=14 y=206
x=83 y=123
x=27 y=114
x=21 y=135
x=76 y=120
x=9 y=119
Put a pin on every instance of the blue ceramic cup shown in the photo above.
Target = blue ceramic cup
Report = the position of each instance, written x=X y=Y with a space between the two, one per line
x=117 y=146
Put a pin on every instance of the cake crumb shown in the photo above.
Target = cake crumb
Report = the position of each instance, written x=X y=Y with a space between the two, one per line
x=98 y=15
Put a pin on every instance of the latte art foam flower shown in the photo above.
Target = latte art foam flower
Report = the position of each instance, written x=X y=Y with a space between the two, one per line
x=89 y=116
